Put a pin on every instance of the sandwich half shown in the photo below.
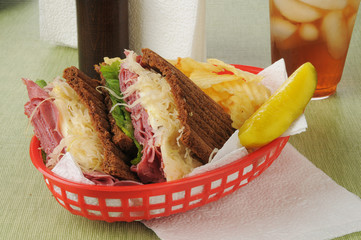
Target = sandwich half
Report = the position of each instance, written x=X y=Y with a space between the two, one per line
x=70 y=116
x=175 y=122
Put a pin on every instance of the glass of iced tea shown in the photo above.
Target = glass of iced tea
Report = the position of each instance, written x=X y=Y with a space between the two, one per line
x=316 y=31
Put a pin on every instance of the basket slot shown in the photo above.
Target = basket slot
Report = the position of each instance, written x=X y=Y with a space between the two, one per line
x=94 y=212
x=177 y=208
x=72 y=196
x=261 y=162
x=232 y=177
x=156 y=199
x=243 y=182
x=228 y=189
x=195 y=202
x=197 y=190
x=76 y=208
x=60 y=201
x=136 y=214
x=135 y=202
x=216 y=184
x=57 y=190
x=211 y=196
x=247 y=169
x=91 y=201
x=113 y=202
x=157 y=211
x=115 y=215
x=178 y=195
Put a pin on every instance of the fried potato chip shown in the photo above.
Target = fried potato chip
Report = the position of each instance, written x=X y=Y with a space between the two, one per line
x=240 y=93
x=206 y=80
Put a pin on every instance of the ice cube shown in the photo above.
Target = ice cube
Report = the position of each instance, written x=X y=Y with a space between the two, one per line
x=327 y=4
x=334 y=30
x=282 y=29
x=297 y=11
x=308 y=32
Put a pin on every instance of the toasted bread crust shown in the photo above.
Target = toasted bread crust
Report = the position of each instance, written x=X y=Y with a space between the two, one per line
x=206 y=125
x=115 y=161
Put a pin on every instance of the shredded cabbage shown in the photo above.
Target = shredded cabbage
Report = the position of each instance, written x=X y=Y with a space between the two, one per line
x=80 y=137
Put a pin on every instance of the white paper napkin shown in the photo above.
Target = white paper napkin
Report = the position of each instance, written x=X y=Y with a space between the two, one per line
x=69 y=169
x=57 y=22
x=171 y=28
x=292 y=199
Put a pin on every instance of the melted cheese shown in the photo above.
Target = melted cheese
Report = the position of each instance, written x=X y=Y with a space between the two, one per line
x=80 y=137
x=156 y=98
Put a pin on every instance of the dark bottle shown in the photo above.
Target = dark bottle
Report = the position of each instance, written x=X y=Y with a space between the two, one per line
x=102 y=32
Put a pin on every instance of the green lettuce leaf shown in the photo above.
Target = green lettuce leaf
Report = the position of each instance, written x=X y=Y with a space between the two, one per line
x=120 y=114
x=41 y=83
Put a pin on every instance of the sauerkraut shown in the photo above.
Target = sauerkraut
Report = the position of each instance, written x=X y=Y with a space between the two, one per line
x=80 y=137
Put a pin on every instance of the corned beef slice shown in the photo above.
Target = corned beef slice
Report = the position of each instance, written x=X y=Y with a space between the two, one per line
x=150 y=167
x=45 y=118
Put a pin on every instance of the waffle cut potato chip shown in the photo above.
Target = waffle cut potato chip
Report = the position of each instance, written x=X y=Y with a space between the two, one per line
x=240 y=93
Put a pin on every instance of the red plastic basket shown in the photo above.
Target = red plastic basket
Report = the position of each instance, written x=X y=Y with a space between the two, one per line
x=143 y=202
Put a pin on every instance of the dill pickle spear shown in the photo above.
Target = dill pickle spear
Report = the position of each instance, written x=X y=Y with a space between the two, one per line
x=275 y=116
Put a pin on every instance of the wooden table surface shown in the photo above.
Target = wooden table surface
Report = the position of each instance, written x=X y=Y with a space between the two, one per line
x=332 y=141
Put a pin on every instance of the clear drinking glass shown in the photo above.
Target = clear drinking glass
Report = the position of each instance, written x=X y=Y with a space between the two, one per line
x=316 y=31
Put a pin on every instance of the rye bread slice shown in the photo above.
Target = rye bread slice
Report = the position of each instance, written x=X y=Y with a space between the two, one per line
x=115 y=161
x=206 y=125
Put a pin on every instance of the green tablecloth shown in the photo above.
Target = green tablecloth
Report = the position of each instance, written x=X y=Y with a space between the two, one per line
x=236 y=33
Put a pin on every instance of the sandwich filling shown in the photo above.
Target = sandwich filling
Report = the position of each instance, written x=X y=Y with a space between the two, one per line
x=79 y=136
x=149 y=99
